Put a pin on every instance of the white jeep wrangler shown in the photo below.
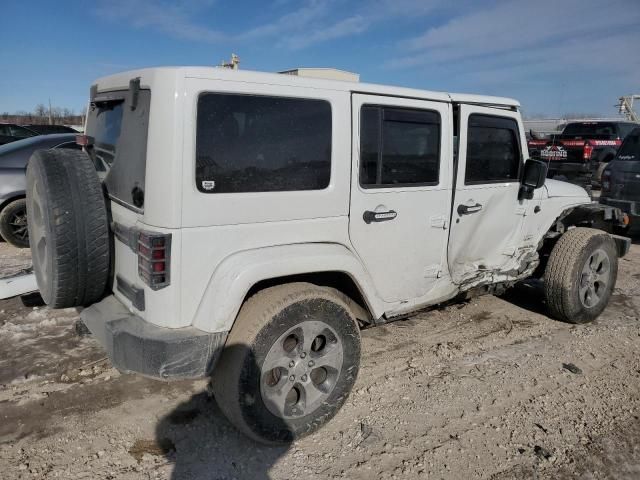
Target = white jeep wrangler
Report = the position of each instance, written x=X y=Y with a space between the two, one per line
x=245 y=226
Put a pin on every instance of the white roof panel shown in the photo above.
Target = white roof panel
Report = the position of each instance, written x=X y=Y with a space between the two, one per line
x=150 y=75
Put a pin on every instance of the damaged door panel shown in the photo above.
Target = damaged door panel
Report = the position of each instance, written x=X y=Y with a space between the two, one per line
x=486 y=237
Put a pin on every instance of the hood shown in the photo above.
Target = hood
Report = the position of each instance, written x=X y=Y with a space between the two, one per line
x=556 y=188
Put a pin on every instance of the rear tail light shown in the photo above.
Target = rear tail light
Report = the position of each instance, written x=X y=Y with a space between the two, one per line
x=84 y=140
x=588 y=151
x=154 y=259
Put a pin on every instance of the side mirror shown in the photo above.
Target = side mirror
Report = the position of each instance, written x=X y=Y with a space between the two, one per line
x=533 y=177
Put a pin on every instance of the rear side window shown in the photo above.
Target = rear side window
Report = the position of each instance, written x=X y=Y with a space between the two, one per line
x=398 y=147
x=119 y=143
x=630 y=149
x=493 y=150
x=250 y=143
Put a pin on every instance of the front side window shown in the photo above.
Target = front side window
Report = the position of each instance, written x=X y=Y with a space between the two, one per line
x=398 y=147
x=250 y=143
x=493 y=150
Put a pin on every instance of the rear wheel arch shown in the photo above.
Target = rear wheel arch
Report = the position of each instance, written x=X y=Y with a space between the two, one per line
x=336 y=280
x=245 y=273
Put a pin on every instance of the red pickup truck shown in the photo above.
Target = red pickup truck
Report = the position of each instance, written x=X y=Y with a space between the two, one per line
x=581 y=152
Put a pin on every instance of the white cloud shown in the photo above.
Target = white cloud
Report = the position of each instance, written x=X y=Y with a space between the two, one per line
x=522 y=26
x=310 y=23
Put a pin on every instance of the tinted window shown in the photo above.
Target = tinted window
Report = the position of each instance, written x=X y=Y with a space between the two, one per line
x=493 y=150
x=398 y=146
x=630 y=149
x=21 y=132
x=119 y=148
x=586 y=129
x=247 y=143
x=106 y=129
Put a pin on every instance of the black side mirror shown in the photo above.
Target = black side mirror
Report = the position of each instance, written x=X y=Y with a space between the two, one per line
x=533 y=177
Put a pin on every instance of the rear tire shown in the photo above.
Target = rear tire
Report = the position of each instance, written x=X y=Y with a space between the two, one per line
x=581 y=275
x=68 y=228
x=13 y=223
x=289 y=363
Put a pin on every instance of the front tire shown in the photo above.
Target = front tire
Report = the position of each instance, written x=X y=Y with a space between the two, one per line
x=580 y=275
x=290 y=362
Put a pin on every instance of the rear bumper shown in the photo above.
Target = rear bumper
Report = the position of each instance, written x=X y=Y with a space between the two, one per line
x=135 y=345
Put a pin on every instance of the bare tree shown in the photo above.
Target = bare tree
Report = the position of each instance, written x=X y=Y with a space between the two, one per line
x=40 y=110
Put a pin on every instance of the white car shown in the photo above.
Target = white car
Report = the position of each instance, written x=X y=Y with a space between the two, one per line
x=246 y=225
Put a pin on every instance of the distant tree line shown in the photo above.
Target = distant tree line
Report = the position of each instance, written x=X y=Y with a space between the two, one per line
x=42 y=115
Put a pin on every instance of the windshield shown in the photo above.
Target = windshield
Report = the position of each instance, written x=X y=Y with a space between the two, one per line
x=630 y=149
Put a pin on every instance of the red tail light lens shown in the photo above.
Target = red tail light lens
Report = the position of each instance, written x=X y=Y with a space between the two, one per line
x=588 y=151
x=154 y=257
x=84 y=140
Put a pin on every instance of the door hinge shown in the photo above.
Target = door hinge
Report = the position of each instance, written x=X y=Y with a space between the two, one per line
x=434 y=271
x=439 y=221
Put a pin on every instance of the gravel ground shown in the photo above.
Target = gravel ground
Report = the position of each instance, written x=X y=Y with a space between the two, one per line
x=491 y=388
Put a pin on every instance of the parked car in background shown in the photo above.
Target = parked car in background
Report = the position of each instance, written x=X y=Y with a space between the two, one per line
x=581 y=152
x=49 y=129
x=10 y=132
x=13 y=163
x=621 y=179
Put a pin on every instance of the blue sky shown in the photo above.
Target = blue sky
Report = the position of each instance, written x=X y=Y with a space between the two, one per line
x=555 y=56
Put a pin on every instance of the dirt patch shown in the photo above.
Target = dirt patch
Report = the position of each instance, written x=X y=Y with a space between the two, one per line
x=491 y=388
x=159 y=447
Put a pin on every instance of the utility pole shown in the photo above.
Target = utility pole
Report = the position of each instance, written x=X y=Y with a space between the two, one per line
x=625 y=107
x=50 y=117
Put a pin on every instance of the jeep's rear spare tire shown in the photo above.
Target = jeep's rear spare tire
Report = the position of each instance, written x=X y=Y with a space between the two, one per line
x=68 y=228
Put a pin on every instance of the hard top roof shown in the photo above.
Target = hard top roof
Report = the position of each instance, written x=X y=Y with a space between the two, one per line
x=149 y=75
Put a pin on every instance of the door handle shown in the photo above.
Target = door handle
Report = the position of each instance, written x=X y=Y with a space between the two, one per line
x=371 y=216
x=469 y=209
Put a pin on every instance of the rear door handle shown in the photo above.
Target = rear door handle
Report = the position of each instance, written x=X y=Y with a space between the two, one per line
x=469 y=209
x=371 y=216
